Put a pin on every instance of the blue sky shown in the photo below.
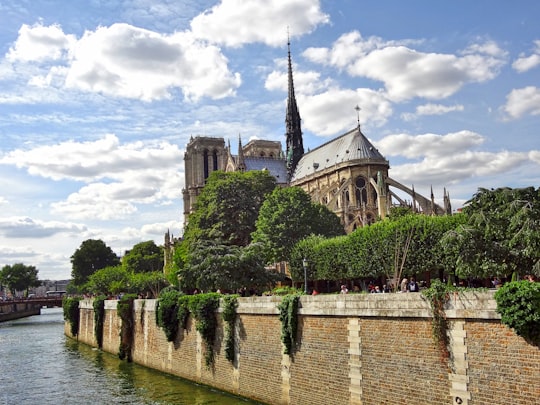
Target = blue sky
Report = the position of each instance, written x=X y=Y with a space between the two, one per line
x=99 y=99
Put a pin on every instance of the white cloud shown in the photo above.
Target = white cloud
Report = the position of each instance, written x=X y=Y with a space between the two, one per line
x=130 y=174
x=332 y=111
x=40 y=43
x=431 y=109
x=25 y=227
x=407 y=73
x=525 y=63
x=448 y=159
x=126 y=61
x=237 y=22
x=520 y=102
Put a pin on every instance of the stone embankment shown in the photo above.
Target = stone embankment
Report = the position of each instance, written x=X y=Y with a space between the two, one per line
x=350 y=349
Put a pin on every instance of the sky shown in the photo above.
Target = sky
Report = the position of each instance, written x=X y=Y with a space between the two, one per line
x=99 y=98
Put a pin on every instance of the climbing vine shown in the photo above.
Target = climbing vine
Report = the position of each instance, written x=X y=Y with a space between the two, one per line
x=125 y=312
x=288 y=315
x=518 y=303
x=230 y=303
x=437 y=295
x=99 y=319
x=167 y=313
x=203 y=308
x=183 y=310
x=70 y=307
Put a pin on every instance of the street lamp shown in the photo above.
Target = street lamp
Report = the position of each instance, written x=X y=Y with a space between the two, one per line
x=305 y=265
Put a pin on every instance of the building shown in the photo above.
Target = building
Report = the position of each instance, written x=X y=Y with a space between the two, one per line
x=347 y=174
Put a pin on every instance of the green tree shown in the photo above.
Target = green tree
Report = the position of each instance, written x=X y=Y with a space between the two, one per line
x=144 y=257
x=108 y=280
x=287 y=216
x=501 y=234
x=90 y=257
x=19 y=277
x=212 y=265
x=149 y=283
x=228 y=206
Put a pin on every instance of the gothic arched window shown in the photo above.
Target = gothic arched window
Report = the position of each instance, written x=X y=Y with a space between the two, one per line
x=205 y=164
x=361 y=191
x=215 y=160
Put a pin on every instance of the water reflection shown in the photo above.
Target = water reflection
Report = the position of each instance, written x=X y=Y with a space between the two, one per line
x=150 y=386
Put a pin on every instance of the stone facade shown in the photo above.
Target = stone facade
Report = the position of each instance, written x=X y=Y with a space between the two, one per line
x=351 y=349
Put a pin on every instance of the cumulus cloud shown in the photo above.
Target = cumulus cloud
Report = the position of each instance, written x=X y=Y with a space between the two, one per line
x=237 y=22
x=520 y=102
x=525 y=63
x=126 y=61
x=25 y=227
x=448 y=159
x=432 y=109
x=118 y=176
x=39 y=43
x=408 y=73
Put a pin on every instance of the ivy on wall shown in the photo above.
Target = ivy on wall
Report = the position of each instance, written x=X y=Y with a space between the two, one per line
x=125 y=312
x=203 y=308
x=230 y=303
x=99 y=319
x=288 y=315
x=70 y=307
x=437 y=295
x=167 y=313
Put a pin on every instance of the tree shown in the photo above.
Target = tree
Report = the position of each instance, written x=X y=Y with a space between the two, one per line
x=212 y=265
x=91 y=256
x=19 y=277
x=109 y=280
x=144 y=257
x=228 y=206
x=287 y=216
x=501 y=235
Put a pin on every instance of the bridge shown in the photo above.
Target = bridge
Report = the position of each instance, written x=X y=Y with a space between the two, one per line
x=23 y=307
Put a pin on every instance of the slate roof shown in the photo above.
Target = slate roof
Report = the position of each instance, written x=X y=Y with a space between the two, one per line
x=276 y=167
x=351 y=146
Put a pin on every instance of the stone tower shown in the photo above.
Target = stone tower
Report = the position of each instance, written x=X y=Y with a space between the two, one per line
x=203 y=156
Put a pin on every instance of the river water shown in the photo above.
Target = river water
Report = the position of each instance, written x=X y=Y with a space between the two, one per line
x=40 y=365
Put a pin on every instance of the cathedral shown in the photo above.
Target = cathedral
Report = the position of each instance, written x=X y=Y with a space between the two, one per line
x=347 y=174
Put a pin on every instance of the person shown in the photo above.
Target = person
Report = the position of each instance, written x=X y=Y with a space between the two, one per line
x=315 y=292
x=376 y=290
x=344 y=289
x=413 y=285
x=403 y=286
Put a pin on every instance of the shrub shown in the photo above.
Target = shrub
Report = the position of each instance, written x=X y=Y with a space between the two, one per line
x=125 y=312
x=230 y=303
x=518 y=302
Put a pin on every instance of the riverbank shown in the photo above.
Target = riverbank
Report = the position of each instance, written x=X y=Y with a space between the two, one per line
x=350 y=349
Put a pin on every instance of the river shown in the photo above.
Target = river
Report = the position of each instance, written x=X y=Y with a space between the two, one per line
x=40 y=365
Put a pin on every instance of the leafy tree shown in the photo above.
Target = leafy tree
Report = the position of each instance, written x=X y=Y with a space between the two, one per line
x=144 y=257
x=501 y=235
x=228 y=206
x=19 y=277
x=287 y=216
x=90 y=257
x=108 y=280
x=149 y=283
x=212 y=265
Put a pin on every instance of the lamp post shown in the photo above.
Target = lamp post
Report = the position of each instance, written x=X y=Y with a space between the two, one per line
x=305 y=265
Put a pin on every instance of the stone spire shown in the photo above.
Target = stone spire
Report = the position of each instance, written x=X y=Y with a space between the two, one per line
x=241 y=163
x=295 y=146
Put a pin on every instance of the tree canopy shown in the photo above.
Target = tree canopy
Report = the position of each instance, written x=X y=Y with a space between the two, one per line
x=19 y=277
x=91 y=256
x=228 y=206
x=287 y=216
x=143 y=257
x=501 y=235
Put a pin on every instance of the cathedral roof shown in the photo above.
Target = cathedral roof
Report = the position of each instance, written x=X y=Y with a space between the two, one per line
x=276 y=167
x=349 y=147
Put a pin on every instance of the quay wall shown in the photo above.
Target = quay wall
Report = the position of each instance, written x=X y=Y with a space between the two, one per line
x=11 y=311
x=350 y=349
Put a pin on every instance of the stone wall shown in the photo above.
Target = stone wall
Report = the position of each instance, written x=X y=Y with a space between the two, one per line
x=351 y=349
